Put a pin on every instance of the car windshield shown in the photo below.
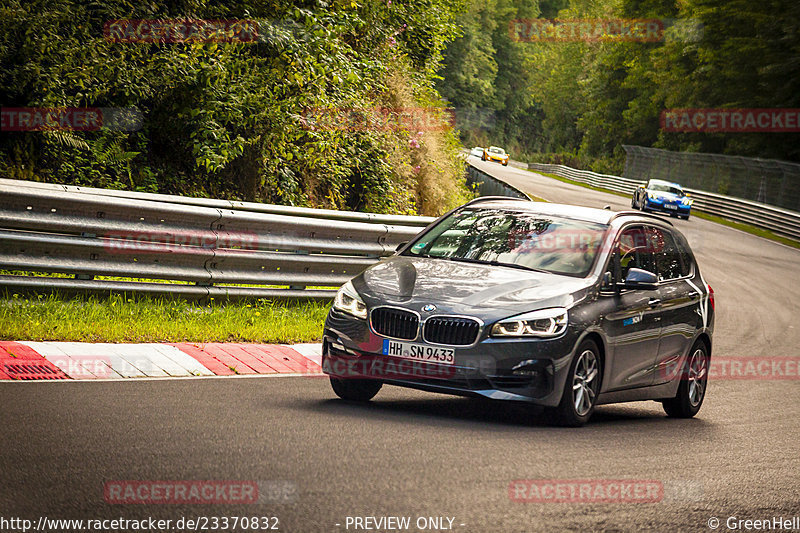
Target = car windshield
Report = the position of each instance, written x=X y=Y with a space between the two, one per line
x=496 y=150
x=665 y=187
x=529 y=241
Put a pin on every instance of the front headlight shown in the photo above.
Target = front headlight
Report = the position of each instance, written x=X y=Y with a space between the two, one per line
x=544 y=323
x=687 y=201
x=348 y=301
x=651 y=196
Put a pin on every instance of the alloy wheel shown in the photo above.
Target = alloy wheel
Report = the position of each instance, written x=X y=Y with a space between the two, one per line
x=584 y=382
x=698 y=371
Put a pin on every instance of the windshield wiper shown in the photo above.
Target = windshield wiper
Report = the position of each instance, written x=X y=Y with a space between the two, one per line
x=495 y=263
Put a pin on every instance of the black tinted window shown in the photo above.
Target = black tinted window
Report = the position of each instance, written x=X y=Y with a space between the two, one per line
x=669 y=264
x=684 y=253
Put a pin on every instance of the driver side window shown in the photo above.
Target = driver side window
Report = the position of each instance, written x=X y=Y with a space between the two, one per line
x=633 y=251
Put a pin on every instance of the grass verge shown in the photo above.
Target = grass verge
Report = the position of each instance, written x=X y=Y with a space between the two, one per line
x=147 y=319
x=747 y=228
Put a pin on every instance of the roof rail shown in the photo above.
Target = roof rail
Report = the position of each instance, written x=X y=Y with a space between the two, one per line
x=488 y=198
x=630 y=212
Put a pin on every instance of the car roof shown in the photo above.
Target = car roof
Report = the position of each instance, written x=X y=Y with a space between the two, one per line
x=587 y=214
x=669 y=183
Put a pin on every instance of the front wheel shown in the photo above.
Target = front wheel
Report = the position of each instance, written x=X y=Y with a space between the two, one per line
x=355 y=390
x=581 y=389
x=692 y=389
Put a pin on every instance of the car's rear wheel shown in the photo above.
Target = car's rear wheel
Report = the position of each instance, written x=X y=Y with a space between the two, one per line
x=356 y=390
x=582 y=387
x=692 y=389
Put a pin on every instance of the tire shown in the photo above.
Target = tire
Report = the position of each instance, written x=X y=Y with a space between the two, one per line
x=685 y=217
x=355 y=390
x=586 y=362
x=692 y=390
x=505 y=164
x=633 y=203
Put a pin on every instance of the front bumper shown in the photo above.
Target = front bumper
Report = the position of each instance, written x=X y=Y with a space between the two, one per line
x=528 y=370
x=662 y=206
x=497 y=160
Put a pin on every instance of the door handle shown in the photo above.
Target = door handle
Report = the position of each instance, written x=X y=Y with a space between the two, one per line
x=653 y=302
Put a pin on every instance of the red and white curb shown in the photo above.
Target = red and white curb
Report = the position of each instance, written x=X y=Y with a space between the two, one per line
x=28 y=360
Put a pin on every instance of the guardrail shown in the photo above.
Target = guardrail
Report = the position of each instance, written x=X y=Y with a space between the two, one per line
x=211 y=248
x=780 y=221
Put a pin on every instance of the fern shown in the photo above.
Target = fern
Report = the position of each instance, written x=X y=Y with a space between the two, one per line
x=66 y=138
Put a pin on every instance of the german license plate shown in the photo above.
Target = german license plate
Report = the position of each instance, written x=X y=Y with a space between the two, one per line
x=419 y=352
x=671 y=206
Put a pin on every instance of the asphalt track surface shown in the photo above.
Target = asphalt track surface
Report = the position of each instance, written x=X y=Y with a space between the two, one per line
x=410 y=453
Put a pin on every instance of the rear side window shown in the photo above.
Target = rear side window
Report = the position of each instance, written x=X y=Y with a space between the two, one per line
x=669 y=260
x=685 y=253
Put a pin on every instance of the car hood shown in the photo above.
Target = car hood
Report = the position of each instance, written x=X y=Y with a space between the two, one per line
x=486 y=291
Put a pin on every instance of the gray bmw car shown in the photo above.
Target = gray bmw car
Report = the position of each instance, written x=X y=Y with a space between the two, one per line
x=560 y=306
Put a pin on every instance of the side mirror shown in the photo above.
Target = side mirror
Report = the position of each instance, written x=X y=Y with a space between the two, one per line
x=400 y=246
x=641 y=280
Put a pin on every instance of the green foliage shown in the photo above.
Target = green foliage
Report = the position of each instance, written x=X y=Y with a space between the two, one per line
x=129 y=318
x=590 y=98
x=226 y=119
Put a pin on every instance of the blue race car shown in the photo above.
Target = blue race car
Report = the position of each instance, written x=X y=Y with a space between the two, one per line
x=664 y=197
